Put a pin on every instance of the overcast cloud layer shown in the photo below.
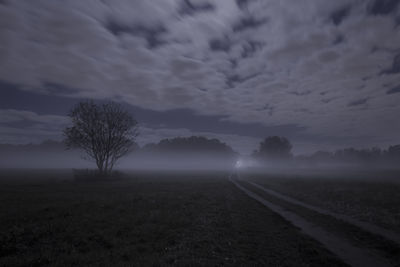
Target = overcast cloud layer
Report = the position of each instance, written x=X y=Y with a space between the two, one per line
x=329 y=68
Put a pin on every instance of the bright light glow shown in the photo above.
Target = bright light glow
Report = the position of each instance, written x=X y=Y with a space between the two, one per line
x=238 y=164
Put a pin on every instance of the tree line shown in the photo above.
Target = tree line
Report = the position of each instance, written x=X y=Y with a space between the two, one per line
x=107 y=132
x=197 y=144
x=367 y=156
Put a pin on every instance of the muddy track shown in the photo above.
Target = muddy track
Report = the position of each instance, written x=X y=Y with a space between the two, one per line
x=373 y=229
x=348 y=252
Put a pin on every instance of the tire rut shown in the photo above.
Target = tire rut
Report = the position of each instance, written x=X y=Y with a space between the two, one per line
x=350 y=254
x=373 y=229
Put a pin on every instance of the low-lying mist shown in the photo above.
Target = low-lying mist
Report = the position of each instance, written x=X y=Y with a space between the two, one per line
x=177 y=161
x=38 y=157
x=181 y=154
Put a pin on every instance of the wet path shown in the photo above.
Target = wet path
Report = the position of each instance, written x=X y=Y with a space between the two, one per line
x=390 y=235
x=350 y=254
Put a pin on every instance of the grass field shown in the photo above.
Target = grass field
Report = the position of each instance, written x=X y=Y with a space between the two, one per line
x=144 y=219
x=371 y=196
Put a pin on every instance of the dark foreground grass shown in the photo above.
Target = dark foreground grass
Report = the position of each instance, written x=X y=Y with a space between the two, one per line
x=145 y=220
x=371 y=196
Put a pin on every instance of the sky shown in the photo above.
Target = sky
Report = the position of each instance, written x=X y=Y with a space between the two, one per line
x=325 y=74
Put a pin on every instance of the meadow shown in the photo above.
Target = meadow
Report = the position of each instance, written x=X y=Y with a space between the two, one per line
x=49 y=218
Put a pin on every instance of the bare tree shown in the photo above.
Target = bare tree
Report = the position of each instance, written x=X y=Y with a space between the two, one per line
x=105 y=132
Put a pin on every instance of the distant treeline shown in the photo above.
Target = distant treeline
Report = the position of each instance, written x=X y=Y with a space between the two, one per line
x=276 y=148
x=351 y=155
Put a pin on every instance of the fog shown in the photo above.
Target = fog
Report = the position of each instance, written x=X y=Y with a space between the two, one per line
x=298 y=168
x=75 y=159
x=177 y=161
x=43 y=160
x=54 y=155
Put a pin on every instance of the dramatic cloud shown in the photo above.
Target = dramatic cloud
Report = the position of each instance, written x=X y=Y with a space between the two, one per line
x=20 y=126
x=331 y=68
x=13 y=116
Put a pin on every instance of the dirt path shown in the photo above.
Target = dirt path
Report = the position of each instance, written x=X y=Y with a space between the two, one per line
x=350 y=254
x=390 y=235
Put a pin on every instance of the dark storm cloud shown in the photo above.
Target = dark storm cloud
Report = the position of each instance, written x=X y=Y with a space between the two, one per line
x=250 y=48
x=14 y=97
x=383 y=7
x=394 y=90
x=223 y=44
x=300 y=93
x=234 y=79
x=248 y=23
x=243 y=3
x=267 y=107
x=153 y=35
x=339 y=15
x=395 y=68
x=24 y=126
x=189 y=8
x=218 y=59
x=59 y=89
x=358 y=102
x=339 y=39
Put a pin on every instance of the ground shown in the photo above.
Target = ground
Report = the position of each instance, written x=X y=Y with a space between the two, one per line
x=363 y=196
x=144 y=219
x=368 y=195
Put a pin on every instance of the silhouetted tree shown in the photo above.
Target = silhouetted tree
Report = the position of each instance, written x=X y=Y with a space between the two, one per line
x=274 y=147
x=105 y=132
